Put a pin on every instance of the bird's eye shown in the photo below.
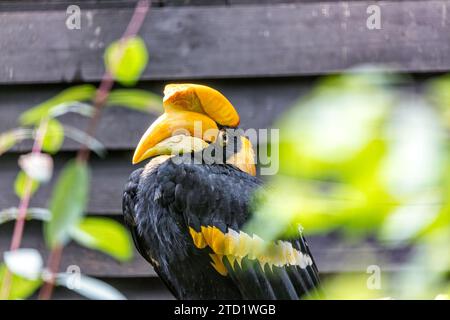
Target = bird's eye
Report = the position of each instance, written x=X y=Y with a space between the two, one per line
x=223 y=139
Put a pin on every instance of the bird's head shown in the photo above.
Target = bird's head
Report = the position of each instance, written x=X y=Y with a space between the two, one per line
x=197 y=118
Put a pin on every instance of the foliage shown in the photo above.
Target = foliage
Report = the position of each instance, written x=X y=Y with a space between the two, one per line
x=126 y=59
x=21 y=182
x=106 y=235
x=22 y=272
x=21 y=287
x=67 y=203
x=360 y=157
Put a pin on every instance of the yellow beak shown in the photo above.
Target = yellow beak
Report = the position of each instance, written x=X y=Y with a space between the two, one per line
x=202 y=99
x=190 y=109
x=175 y=123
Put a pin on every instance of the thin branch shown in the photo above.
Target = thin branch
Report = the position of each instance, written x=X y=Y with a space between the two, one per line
x=23 y=209
x=54 y=260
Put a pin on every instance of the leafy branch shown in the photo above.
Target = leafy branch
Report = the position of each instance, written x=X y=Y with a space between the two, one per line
x=64 y=220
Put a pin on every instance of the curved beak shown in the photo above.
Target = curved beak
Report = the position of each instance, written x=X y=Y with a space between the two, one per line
x=175 y=123
x=190 y=109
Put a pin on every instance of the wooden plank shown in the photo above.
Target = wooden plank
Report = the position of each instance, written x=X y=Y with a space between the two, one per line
x=108 y=179
x=331 y=254
x=258 y=101
x=21 y=5
x=90 y=262
x=236 y=41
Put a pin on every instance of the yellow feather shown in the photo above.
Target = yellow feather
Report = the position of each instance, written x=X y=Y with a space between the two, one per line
x=217 y=263
x=198 y=239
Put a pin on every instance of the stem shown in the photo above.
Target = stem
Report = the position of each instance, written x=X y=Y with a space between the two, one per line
x=83 y=154
x=22 y=214
x=53 y=263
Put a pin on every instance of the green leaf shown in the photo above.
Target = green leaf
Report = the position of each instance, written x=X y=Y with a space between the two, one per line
x=81 y=108
x=7 y=141
x=10 y=138
x=67 y=203
x=405 y=223
x=126 y=60
x=32 y=213
x=43 y=110
x=136 y=99
x=105 y=235
x=88 y=287
x=83 y=138
x=21 y=182
x=54 y=136
x=24 y=262
x=21 y=288
x=38 y=166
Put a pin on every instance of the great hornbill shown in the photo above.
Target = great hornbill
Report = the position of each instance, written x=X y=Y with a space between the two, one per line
x=187 y=207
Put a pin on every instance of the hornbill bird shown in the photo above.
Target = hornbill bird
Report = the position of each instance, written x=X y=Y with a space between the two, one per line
x=187 y=207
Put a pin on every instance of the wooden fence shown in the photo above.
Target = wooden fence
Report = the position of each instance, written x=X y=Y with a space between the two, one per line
x=263 y=55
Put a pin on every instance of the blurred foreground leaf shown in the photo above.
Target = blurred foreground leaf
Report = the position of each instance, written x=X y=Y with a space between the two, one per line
x=26 y=263
x=54 y=136
x=21 y=288
x=438 y=92
x=21 y=182
x=67 y=203
x=72 y=95
x=89 y=287
x=10 y=138
x=83 y=138
x=105 y=235
x=126 y=59
x=38 y=166
x=32 y=213
x=136 y=99
x=354 y=286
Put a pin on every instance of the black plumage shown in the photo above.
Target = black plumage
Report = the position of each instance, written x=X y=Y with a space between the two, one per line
x=162 y=202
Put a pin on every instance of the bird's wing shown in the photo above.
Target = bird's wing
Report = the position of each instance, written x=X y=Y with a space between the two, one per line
x=215 y=202
x=129 y=202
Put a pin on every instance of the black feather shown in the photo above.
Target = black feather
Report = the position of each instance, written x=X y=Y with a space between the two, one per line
x=161 y=204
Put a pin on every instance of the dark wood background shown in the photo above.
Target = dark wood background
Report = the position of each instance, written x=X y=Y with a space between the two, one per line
x=263 y=55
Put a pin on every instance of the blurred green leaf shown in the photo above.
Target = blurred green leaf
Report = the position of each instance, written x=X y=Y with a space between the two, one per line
x=71 y=95
x=352 y=286
x=441 y=221
x=89 y=287
x=26 y=263
x=67 y=203
x=105 y=235
x=405 y=223
x=81 y=108
x=21 y=288
x=38 y=166
x=7 y=141
x=358 y=159
x=438 y=92
x=414 y=163
x=32 y=213
x=54 y=136
x=126 y=60
x=136 y=99
x=21 y=182
x=83 y=138
x=10 y=138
